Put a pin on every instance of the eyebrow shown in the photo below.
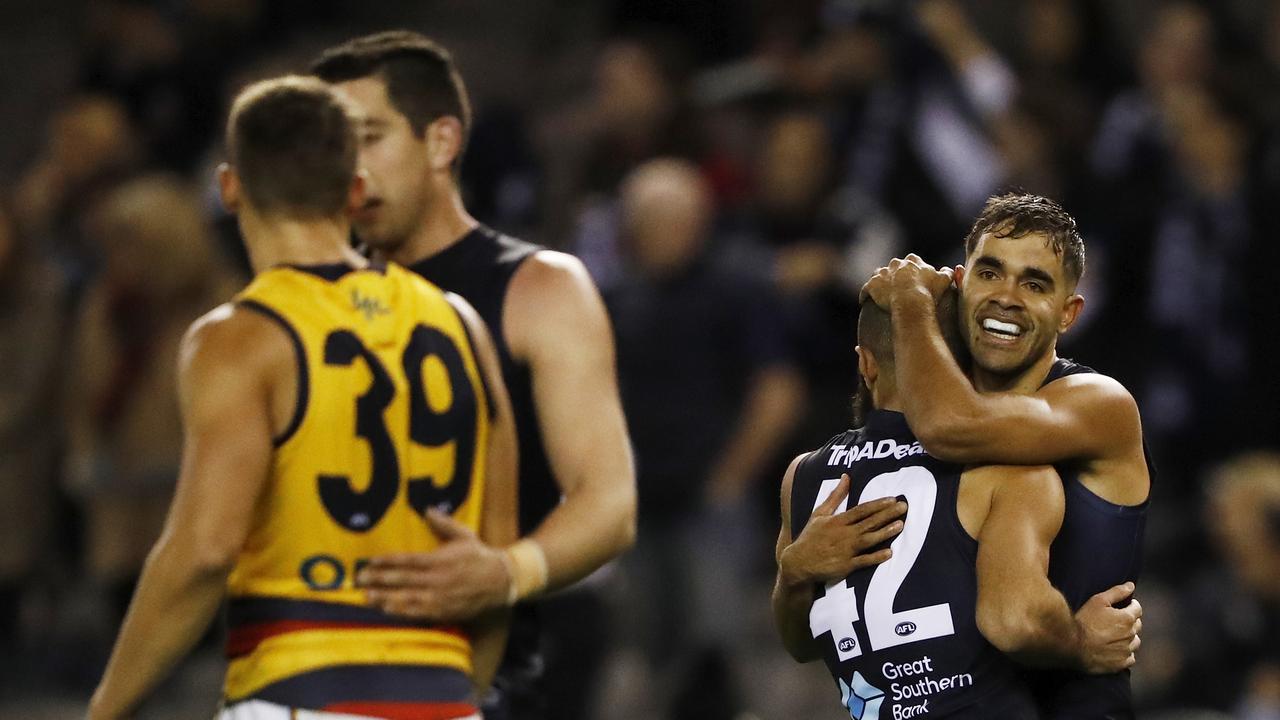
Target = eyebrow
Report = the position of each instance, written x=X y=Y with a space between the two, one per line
x=1032 y=271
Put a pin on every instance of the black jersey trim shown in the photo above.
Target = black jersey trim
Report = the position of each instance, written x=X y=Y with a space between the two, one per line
x=333 y=272
x=368 y=683
x=475 y=356
x=300 y=354
x=243 y=610
x=1102 y=505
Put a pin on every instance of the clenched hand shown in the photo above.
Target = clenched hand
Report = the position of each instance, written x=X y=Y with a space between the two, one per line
x=1109 y=635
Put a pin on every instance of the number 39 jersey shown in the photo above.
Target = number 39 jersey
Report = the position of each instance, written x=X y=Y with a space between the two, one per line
x=901 y=638
x=392 y=418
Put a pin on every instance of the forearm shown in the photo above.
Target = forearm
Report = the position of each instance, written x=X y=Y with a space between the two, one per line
x=172 y=607
x=791 y=603
x=595 y=523
x=932 y=386
x=1036 y=628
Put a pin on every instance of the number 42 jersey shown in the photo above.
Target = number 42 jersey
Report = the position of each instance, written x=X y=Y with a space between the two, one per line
x=901 y=638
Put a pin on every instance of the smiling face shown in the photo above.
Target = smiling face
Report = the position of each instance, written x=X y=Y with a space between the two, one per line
x=399 y=186
x=1016 y=299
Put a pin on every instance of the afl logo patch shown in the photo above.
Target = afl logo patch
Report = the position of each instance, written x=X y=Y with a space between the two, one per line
x=847 y=644
x=905 y=628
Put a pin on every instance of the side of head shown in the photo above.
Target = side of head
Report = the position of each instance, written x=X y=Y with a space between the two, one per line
x=1023 y=259
x=292 y=151
x=667 y=211
x=877 y=384
x=414 y=118
x=419 y=75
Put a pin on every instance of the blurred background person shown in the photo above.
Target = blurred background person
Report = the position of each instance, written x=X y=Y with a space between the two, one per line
x=124 y=436
x=32 y=319
x=711 y=394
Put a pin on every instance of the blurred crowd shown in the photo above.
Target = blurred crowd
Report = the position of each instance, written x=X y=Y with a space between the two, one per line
x=730 y=172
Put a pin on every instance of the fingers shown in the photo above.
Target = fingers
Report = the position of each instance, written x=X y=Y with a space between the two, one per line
x=1137 y=627
x=405 y=603
x=445 y=527
x=875 y=537
x=406 y=560
x=867 y=560
x=870 y=508
x=1113 y=595
x=1134 y=644
x=1134 y=608
x=836 y=497
x=393 y=577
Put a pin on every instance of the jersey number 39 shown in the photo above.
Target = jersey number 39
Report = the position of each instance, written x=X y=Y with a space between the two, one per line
x=361 y=510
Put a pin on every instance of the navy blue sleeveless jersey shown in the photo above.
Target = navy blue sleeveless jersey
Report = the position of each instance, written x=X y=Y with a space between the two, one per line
x=901 y=638
x=1099 y=546
x=479 y=267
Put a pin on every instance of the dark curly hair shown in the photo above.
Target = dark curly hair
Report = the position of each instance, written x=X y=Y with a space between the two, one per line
x=1018 y=214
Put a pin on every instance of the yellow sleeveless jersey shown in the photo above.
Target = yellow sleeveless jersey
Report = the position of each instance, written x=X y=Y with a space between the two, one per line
x=392 y=418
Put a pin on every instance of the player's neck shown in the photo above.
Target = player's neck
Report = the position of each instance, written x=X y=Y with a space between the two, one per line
x=1026 y=382
x=885 y=397
x=445 y=222
x=273 y=241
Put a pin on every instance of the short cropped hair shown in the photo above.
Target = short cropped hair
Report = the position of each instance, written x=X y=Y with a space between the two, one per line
x=1018 y=214
x=293 y=145
x=422 y=82
x=875 y=333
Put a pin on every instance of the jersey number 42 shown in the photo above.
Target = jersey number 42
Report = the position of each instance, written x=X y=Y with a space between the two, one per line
x=836 y=612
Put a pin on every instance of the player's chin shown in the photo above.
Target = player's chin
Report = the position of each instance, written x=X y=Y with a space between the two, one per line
x=374 y=235
x=1000 y=361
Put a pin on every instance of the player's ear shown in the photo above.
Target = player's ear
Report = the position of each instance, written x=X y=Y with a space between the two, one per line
x=958 y=275
x=867 y=366
x=444 y=142
x=1071 y=309
x=358 y=191
x=229 y=188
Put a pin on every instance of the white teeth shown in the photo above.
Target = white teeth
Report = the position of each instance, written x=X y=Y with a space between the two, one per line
x=1003 y=328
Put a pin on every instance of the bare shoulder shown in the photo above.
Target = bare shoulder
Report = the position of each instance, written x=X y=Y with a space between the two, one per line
x=1090 y=388
x=551 y=275
x=553 y=300
x=241 y=337
x=1098 y=399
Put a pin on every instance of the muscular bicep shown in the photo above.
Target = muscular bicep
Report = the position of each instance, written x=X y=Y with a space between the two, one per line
x=568 y=343
x=1025 y=514
x=1086 y=416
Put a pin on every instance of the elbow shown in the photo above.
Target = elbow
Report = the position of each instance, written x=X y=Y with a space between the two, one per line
x=207 y=556
x=944 y=436
x=1008 y=628
x=625 y=526
x=938 y=443
x=215 y=561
